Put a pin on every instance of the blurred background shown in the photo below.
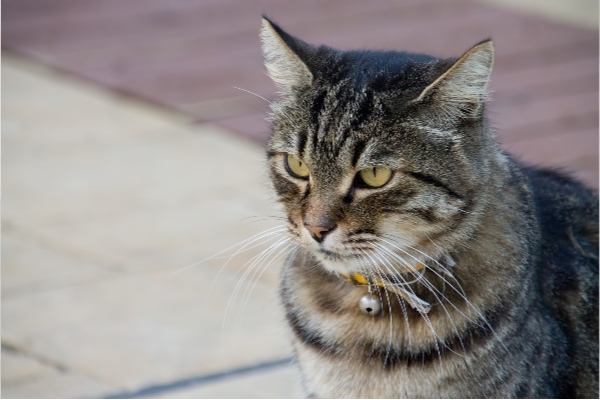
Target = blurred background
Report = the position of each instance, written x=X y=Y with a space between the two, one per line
x=129 y=157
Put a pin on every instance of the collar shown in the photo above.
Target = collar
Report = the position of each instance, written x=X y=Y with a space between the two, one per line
x=415 y=302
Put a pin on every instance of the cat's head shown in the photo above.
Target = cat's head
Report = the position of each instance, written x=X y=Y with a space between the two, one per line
x=374 y=148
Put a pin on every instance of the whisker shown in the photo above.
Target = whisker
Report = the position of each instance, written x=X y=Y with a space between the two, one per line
x=423 y=314
x=460 y=293
x=274 y=106
x=227 y=249
x=268 y=236
x=255 y=261
x=437 y=263
x=401 y=301
x=433 y=290
x=371 y=274
x=252 y=93
x=254 y=281
x=389 y=304
x=432 y=287
x=428 y=322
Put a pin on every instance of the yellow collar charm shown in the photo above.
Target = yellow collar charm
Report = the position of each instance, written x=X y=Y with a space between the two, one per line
x=370 y=304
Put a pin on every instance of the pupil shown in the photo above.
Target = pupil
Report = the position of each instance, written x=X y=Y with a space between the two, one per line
x=369 y=309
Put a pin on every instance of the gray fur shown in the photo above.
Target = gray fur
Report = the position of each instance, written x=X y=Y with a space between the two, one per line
x=511 y=251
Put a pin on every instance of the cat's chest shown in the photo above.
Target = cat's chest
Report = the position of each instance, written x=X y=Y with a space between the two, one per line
x=343 y=353
x=346 y=377
x=326 y=308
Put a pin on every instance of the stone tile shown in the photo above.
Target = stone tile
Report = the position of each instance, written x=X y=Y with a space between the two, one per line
x=30 y=266
x=137 y=331
x=58 y=385
x=283 y=383
x=94 y=185
x=150 y=193
x=42 y=107
x=161 y=211
x=67 y=185
x=170 y=240
x=18 y=368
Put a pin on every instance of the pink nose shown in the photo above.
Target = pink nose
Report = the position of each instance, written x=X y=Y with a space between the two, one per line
x=318 y=232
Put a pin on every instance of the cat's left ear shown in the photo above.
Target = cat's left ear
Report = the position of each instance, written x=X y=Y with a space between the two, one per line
x=284 y=57
x=460 y=92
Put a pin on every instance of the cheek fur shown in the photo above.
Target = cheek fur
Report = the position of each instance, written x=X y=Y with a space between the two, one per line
x=405 y=208
x=287 y=191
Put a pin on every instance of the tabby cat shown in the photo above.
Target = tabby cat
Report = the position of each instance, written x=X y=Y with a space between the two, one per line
x=428 y=262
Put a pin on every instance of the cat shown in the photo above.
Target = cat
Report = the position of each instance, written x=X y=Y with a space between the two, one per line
x=428 y=262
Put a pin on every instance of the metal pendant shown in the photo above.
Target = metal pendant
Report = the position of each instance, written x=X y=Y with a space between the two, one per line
x=370 y=305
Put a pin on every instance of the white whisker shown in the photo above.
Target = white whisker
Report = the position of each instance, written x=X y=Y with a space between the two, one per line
x=227 y=249
x=255 y=261
x=433 y=291
x=254 y=281
x=460 y=293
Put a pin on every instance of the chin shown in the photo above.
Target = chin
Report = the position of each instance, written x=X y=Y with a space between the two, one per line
x=335 y=262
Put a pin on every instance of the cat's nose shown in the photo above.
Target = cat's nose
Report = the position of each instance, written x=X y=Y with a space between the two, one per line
x=318 y=232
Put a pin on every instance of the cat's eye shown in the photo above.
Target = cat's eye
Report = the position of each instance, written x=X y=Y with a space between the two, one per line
x=295 y=167
x=376 y=176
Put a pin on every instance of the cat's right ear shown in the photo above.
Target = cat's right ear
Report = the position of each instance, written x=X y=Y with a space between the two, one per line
x=283 y=57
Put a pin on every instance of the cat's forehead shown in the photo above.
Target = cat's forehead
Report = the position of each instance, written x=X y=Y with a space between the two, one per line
x=378 y=69
x=361 y=94
x=345 y=129
x=353 y=113
x=349 y=128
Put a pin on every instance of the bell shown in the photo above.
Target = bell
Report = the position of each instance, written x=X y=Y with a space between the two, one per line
x=370 y=304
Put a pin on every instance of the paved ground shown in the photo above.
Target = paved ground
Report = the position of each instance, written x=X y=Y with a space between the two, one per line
x=106 y=200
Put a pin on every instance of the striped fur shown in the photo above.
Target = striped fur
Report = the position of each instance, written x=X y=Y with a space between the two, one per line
x=511 y=251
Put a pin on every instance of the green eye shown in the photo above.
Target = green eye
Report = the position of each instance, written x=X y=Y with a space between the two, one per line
x=375 y=177
x=295 y=167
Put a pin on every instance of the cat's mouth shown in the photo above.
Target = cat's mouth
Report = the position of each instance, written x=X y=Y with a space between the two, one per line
x=338 y=256
x=331 y=255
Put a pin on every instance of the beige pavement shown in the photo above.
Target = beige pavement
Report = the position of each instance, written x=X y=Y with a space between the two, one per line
x=104 y=199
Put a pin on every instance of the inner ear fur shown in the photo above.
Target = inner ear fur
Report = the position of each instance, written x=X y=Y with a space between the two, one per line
x=461 y=91
x=284 y=65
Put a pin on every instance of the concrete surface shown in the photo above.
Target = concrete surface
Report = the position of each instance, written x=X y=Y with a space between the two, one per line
x=105 y=201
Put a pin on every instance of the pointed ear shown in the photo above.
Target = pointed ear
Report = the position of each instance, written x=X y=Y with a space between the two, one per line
x=283 y=63
x=461 y=91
